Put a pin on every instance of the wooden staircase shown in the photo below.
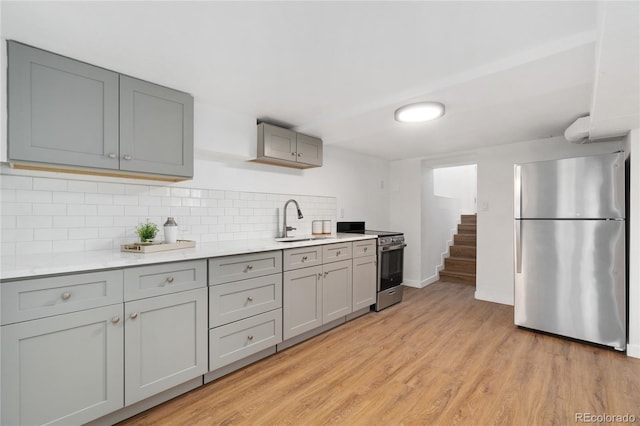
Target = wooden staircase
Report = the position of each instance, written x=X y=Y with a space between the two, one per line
x=460 y=266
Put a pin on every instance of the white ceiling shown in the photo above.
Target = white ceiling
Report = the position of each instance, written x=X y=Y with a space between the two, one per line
x=506 y=71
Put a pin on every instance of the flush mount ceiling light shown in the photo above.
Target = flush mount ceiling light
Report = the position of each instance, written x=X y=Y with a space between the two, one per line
x=420 y=111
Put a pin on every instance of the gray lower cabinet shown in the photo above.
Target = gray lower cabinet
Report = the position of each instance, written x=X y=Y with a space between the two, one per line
x=165 y=335
x=165 y=342
x=364 y=282
x=245 y=307
x=65 y=369
x=302 y=301
x=66 y=113
x=320 y=294
x=337 y=290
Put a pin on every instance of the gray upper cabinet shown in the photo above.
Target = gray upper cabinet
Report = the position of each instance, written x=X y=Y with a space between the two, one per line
x=285 y=147
x=156 y=129
x=66 y=113
x=61 y=111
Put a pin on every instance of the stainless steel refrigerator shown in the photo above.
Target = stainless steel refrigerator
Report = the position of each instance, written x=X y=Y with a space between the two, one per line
x=570 y=274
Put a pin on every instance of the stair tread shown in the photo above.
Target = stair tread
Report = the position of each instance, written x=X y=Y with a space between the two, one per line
x=463 y=274
x=463 y=258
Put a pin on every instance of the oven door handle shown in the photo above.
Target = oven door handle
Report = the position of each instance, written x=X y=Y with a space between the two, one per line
x=393 y=247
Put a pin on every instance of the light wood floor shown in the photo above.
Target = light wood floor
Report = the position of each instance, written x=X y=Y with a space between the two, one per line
x=438 y=358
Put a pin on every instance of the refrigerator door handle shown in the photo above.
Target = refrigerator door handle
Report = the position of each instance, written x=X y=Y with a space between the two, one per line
x=518 y=246
x=517 y=181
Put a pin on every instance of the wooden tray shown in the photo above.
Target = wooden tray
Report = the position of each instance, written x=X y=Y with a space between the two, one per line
x=153 y=248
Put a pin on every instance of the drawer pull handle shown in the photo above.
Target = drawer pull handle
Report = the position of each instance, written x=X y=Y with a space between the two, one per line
x=338 y=253
x=66 y=295
x=249 y=299
x=304 y=258
x=249 y=337
x=115 y=319
x=249 y=267
x=170 y=280
x=134 y=315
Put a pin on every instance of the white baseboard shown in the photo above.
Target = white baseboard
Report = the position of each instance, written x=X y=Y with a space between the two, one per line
x=493 y=297
x=633 y=351
x=421 y=284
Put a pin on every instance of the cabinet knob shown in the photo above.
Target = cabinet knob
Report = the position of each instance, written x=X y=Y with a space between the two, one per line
x=170 y=280
x=128 y=157
x=326 y=273
x=66 y=295
x=112 y=155
x=365 y=249
x=249 y=267
x=338 y=253
x=134 y=315
x=319 y=275
x=249 y=299
x=293 y=153
x=299 y=154
x=304 y=258
x=115 y=319
x=249 y=337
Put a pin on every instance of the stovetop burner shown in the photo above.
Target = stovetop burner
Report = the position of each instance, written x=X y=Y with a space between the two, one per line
x=359 y=228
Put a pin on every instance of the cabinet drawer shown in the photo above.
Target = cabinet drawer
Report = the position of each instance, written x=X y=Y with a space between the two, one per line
x=242 y=299
x=43 y=297
x=164 y=278
x=335 y=252
x=364 y=248
x=240 y=339
x=234 y=268
x=302 y=257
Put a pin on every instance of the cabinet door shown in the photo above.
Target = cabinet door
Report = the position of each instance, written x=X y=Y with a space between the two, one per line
x=364 y=282
x=302 y=301
x=278 y=142
x=66 y=369
x=309 y=150
x=61 y=111
x=337 y=290
x=156 y=129
x=165 y=341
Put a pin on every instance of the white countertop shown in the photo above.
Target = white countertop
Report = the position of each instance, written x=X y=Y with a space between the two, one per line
x=14 y=267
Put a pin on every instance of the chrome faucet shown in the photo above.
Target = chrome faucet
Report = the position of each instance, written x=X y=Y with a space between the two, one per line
x=286 y=228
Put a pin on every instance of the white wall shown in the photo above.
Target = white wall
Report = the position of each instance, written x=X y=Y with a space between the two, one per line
x=494 y=274
x=633 y=145
x=405 y=199
x=458 y=182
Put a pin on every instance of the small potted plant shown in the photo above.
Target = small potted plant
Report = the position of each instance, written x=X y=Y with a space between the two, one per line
x=147 y=231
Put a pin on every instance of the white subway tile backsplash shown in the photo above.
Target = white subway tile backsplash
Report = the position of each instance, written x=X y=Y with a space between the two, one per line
x=111 y=188
x=16 y=209
x=33 y=247
x=46 y=209
x=68 y=197
x=67 y=246
x=16 y=182
x=68 y=221
x=82 y=186
x=33 y=196
x=32 y=222
x=41 y=215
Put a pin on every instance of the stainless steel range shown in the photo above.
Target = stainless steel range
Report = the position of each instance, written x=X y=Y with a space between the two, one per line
x=390 y=262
